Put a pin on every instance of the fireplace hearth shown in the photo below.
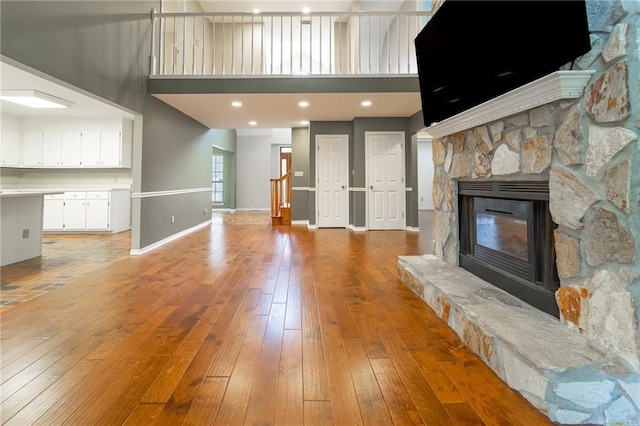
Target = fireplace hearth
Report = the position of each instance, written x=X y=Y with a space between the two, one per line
x=506 y=238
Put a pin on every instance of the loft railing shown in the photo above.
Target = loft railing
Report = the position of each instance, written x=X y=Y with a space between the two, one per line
x=285 y=44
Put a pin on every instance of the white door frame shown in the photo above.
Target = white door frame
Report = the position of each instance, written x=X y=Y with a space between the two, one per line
x=317 y=178
x=367 y=143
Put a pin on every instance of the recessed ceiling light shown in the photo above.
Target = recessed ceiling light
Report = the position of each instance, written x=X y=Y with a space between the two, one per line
x=306 y=10
x=256 y=11
x=236 y=104
x=304 y=122
x=303 y=104
x=505 y=74
x=34 y=99
x=366 y=103
x=252 y=123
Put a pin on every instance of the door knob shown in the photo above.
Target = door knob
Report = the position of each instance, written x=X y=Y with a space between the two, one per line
x=371 y=187
x=342 y=187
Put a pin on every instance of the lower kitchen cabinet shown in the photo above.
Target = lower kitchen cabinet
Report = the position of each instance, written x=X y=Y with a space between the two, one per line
x=53 y=219
x=88 y=211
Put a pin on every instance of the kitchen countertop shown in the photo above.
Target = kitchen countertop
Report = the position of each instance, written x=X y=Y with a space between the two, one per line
x=6 y=193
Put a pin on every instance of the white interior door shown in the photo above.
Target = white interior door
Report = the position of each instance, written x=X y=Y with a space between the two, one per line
x=385 y=180
x=332 y=171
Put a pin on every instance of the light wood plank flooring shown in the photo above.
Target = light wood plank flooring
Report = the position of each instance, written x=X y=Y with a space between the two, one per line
x=234 y=324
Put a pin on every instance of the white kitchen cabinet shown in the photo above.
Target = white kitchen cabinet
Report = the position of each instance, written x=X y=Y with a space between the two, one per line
x=110 y=144
x=70 y=152
x=75 y=211
x=31 y=153
x=119 y=210
x=10 y=147
x=101 y=148
x=52 y=148
x=97 y=211
x=53 y=219
x=48 y=144
x=89 y=211
x=90 y=148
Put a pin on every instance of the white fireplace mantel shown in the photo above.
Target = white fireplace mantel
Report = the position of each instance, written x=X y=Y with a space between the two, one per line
x=550 y=88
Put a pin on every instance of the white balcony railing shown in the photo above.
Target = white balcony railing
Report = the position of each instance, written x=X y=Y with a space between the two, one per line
x=285 y=44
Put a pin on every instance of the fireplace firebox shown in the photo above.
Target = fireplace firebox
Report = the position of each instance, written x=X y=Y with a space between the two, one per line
x=506 y=238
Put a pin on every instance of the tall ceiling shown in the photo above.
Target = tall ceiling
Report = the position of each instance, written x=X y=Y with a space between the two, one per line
x=215 y=110
x=282 y=110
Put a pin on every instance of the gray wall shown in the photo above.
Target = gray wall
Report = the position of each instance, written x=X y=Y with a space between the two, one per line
x=225 y=139
x=224 y=142
x=325 y=128
x=300 y=163
x=425 y=174
x=358 y=208
x=99 y=46
x=102 y=47
x=176 y=156
x=356 y=130
x=253 y=178
x=229 y=178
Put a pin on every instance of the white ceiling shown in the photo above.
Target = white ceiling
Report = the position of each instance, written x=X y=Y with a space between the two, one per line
x=215 y=110
x=16 y=77
x=282 y=110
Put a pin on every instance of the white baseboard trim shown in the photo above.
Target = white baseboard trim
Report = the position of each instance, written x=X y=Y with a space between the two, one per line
x=252 y=210
x=309 y=226
x=413 y=229
x=357 y=228
x=136 y=252
x=300 y=222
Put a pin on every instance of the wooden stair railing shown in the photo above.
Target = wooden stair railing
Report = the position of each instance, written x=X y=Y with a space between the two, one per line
x=281 y=200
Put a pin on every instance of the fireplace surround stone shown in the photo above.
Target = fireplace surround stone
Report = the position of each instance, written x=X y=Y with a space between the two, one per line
x=589 y=151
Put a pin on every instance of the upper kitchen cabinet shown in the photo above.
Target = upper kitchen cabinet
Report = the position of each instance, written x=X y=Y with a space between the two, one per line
x=31 y=148
x=68 y=143
x=9 y=147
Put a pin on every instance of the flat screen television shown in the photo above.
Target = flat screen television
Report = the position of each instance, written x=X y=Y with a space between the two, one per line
x=472 y=51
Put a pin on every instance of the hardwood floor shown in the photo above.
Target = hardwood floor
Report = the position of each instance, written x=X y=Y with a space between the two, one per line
x=239 y=324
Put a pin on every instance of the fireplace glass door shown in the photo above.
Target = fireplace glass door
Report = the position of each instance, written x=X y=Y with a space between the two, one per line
x=506 y=238
x=501 y=235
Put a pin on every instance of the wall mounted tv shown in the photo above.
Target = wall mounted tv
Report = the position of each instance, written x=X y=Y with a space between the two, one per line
x=472 y=51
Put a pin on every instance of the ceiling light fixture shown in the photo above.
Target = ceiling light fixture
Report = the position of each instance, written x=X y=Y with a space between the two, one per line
x=306 y=10
x=366 y=103
x=252 y=123
x=304 y=123
x=256 y=11
x=303 y=104
x=236 y=104
x=34 y=99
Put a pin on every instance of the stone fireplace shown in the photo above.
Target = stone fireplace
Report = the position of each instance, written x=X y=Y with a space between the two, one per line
x=583 y=148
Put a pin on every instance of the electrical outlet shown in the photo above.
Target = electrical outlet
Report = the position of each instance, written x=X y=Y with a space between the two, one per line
x=204 y=211
x=173 y=219
x=25 y=233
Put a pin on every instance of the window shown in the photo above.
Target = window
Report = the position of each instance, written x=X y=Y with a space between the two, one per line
x=217 y=180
